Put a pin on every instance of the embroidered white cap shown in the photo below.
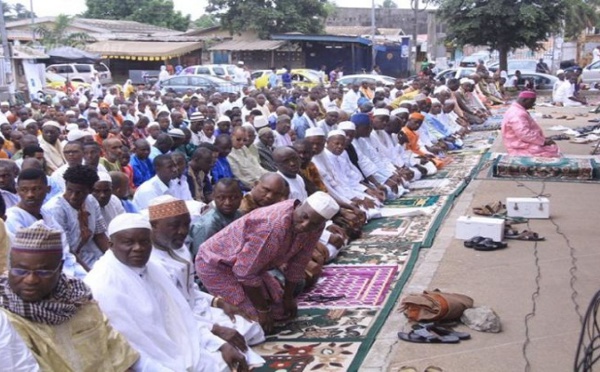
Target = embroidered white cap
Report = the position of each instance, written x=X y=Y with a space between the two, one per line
x=323 y=204
x=314 y=132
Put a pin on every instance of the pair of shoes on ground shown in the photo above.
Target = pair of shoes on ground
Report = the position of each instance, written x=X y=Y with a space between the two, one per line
x=479 y=243
x=525 y=235
x=413 y=369
x=432 y=333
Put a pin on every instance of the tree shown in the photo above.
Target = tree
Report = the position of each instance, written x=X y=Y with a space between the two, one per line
x=155 y=12
x=389 y=4
x=580 y=14
x=501 y=24
x=206 y=21
x=58 y=35
x=271 y=16
x=15 y=12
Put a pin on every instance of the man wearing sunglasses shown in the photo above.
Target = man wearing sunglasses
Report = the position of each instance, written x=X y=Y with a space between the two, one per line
x=54 y=314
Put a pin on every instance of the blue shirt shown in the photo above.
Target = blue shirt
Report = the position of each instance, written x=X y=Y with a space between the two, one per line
x=142 y=170
x=273 y=80
x=222 y=169
x=128 y=206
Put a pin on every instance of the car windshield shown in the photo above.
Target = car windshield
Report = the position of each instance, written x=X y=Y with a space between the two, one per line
x=231 y=69
x=54 y=77
x=100 y=67
x=388 y=79
x=521 y=65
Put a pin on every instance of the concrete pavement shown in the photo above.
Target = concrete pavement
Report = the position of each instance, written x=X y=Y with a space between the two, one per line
x=534 y=289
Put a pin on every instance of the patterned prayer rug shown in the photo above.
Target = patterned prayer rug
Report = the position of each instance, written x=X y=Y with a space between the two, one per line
x=527 y=167
x=352 y=285
x=368 y=253
x=307 y=356
x=488 y=125
x=410 y=201
x=327 y=324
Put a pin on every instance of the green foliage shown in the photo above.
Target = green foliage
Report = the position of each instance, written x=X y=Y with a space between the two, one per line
x=155 y=12
x=389 y=4
x=58 y=35
x=501 y=24
x=271 y=16
x=206 y=21
x=580 y=14
x=15 y=12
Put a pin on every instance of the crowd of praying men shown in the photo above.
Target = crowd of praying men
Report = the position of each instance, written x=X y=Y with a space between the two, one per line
x=170 y=232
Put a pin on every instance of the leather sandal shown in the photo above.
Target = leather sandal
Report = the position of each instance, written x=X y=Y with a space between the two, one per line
x=471 y=243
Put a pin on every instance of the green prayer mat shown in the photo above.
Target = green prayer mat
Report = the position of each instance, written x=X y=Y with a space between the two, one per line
x=528 y=167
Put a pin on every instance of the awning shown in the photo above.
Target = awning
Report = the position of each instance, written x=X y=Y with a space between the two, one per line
x=143 y=51
x=239 y=45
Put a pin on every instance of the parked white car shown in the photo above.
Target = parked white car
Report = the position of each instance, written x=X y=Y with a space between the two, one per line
x=82 y=72
x=359 y=78
x=591 y=73
x=226 y=72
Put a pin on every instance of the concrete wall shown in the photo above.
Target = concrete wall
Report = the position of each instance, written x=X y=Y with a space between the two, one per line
x=384 y=18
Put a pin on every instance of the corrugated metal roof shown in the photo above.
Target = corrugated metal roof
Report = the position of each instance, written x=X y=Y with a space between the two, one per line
x=142 y=49
x=237 y=45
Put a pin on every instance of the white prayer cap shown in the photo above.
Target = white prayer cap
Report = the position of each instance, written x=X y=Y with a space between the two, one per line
x=314 y=132
x=104 y=177
x=381 y=112
x=346 y=125
x=323 y=204
x=51 y=123
x=70 y=113
x=411 y=102
x=503 y=74
x=466 y=81
x=558 y=72
x=336 y=132
x=399 y=111
x=71 y=127
x=380 y=89
x=240 y=63
x=76 y=134
x=249 y=127
x=435 y=101
x=29 y=121
x=128 y=221
x=440 y=89
x=176 y=133
x=153 y=124
x=94 y=105
x=4 y=103
x=332 y=108
x=260 y=121
x=224 y=118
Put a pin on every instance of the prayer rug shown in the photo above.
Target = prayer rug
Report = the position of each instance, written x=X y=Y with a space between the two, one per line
x=368 y=253
x=329 y=324
x=529 y=167
x=488 y=125
x=356 y=285
x=390 y=226
x=410 y=201
x=307 y=356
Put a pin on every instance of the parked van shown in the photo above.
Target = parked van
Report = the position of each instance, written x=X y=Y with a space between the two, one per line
x=82 y=72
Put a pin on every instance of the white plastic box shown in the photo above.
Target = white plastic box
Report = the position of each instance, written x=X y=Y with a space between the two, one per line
x=528 y=207
x=468 y=227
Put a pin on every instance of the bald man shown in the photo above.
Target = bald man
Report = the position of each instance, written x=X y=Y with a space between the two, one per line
x=112 y=153
x=271 y=188
x=244 y=164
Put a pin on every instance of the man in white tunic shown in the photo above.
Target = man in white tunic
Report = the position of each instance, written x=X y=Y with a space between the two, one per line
x=170 y=220
x=110 y=205
x=160 y=184
x=140 y=301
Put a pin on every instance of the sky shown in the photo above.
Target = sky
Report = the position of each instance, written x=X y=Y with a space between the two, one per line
x=43 y=8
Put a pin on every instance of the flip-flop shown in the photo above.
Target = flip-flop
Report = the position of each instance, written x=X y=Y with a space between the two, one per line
x=407 y=369
x=442 y=331
x=433 y=369
x=561 y=117
x=473 y=241
x=423 y=336
x=525 y=235
x=489 y=245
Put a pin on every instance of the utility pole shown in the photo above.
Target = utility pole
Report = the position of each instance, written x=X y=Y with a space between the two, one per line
x=373 y=52
x=6 y=68
x=413 y=50
x=32 y=21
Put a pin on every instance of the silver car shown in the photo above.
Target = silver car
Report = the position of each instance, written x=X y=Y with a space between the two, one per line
x=207 y=83
x=591 y=73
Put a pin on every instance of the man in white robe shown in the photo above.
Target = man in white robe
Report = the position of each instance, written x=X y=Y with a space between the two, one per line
x=170 y=222
x=142 y=303
x=14 y=354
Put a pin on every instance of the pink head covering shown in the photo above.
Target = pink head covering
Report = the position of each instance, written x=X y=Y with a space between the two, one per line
x=527 y=94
